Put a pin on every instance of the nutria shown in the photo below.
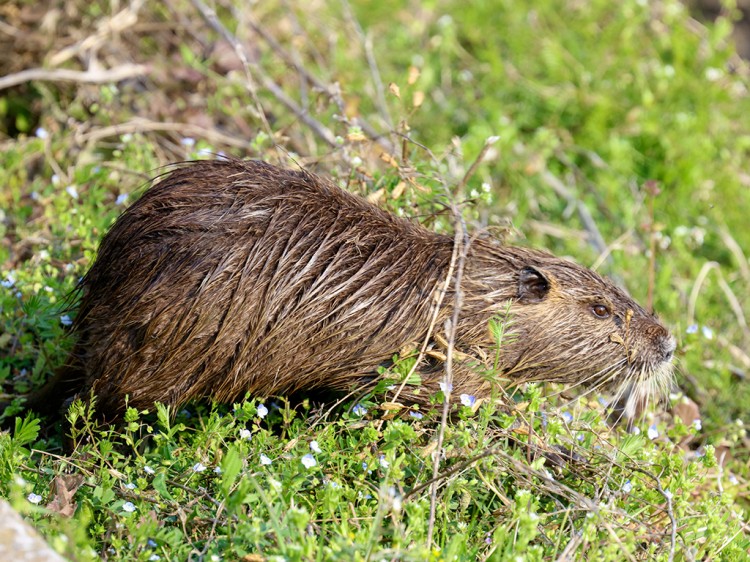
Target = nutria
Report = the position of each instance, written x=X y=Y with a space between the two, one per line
x=229 y=277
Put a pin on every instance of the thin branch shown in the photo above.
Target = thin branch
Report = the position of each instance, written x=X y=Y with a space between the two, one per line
x=140 y=125
x=595 y=237
x=460 y=249
x=323 y=132
x=106 y=29
x=316 y=82
x=96 y=76
x=474 y=165
x=366 y=41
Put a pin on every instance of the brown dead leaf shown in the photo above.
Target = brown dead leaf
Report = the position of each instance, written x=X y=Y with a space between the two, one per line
x=413 y=75
x=63 y=488
x=687 y=411
x=391 y=406
x=388 y=159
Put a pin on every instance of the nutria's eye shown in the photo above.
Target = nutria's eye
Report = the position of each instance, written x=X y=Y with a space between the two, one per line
x=600 y=311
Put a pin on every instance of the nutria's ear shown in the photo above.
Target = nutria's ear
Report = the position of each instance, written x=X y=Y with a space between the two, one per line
x=532 y=285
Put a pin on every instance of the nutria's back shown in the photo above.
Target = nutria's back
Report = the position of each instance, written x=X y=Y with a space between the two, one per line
x=230 y=277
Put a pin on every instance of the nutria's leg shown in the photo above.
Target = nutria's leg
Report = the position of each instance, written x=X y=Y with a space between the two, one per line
x=56 y=394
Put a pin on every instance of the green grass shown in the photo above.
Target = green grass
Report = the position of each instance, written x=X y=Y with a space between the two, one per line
x=604 y=102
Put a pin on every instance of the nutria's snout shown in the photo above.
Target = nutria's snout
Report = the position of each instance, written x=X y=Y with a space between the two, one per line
x=667 y=345
x=230 y=277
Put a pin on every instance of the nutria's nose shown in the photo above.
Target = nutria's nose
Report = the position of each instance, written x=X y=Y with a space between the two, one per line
x=668 y=345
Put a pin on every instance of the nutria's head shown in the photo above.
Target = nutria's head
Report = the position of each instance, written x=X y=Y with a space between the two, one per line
x=569 y=324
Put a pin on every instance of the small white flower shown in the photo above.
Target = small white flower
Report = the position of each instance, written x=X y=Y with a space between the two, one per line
x=262 y=411
x=627 y=487
x=55 y=179
x=72 y=191
x=35 y=196
x=580 y=437
x=446 y=388
x=151 y=543
x=41 y=133
x=332 y=484
x=395 y=498
x=154 y=557
x=712 y=74
x=121 y=199
x=275 y=484
x=245 y=434
x=567 y=416
x=652 y=433
x=314 y=447
x=733 y=479
x=148 y=470
x=129 y=486
x=8 y=282
x=692 y=329
x=636 y=430
x=468 y=400
x=264 y=460
x=697 y=425
x=217 y=470
x=199 y=467
x=384 y=462
x=187 y=141
x=205 y=153
x=65 y=320
x=359 y=410
x=707 y=332
x=128 y=507
x=309 y=461
x=416 y=415
x=34 y=498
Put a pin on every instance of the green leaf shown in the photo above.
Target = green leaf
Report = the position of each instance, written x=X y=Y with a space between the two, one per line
x=26 y=430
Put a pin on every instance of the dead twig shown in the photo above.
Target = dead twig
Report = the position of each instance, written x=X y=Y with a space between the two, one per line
x=458 y=190
x=329 y=89
x=734 y=302
x=323 y=132
x=595 y=237
x=107 y=28
x=460 y=249
x=366 y=41
x=140 y=125
x=92 y=76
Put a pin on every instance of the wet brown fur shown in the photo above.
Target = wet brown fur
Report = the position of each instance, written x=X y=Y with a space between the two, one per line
x=230 y=277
